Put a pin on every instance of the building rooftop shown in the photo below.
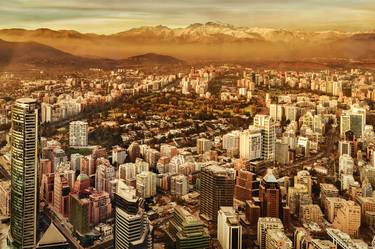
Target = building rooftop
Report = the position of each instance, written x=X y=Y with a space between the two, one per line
x=26 y=101
x=52 y=237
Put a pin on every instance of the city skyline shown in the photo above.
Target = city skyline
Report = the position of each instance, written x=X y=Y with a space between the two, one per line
x=115 y=16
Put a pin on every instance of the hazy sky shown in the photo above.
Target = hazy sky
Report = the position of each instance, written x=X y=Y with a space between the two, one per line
x=110 y=16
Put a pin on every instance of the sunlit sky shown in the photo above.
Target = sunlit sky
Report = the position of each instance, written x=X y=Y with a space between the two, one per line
x=111 y=16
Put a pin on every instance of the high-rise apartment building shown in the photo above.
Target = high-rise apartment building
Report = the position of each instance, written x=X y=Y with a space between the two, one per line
x=291 y=113
x=277 y=112
x=134 y=151
x=231 y=142
x=119 y=155
x=25 y=141
x=146 y=184
x=203 y=145
x=78 y=134
x=105 y=174
x=179 y=185
x=251 y=144
x=216 y=190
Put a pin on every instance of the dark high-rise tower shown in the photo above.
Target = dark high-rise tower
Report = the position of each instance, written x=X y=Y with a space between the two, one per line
x=270 y=196
x=25 y=186
x=216 y=190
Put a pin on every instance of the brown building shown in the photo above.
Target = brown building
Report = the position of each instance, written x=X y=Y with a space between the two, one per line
x=348 y=218
x=134 y=151
x=61 y=194
x=46 y=188
x=246 y=186
x=216 y=190
x=252 y=212
x=270 y=196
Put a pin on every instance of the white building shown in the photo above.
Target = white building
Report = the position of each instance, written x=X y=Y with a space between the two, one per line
x=251 y=144
x=229 y=229
x=179 y=185
x=276 y=238
x=265 y=224
x=146 y=184
x=78 y=134
x=127 y=171
x=276 y=112
x=346 y=164
x=231 y=142
x=132 y=227
x=118 y=155
x=267 y=126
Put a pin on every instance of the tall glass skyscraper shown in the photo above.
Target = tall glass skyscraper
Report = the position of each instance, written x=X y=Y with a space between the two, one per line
x=25 y=186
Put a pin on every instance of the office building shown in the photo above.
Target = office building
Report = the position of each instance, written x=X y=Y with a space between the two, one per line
x=270 y=196
x=132 y=227
x=46 y=187
x=246 y=186
x=353 y=120
x=267 y=126
x=345 y=147
x=25 y=139
x=229 y=229
x=186 y=231
x=79 y=213
x=216 y=190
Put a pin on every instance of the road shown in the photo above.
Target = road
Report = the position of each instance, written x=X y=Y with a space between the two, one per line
x=326 y=151
x=4 y=168
x=301 y=163
x=62 y=226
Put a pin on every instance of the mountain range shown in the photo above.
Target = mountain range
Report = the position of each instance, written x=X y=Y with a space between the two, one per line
x=200 y=42
x=32 y=55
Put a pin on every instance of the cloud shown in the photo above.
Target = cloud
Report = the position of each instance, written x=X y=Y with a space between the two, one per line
x=117 y=15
